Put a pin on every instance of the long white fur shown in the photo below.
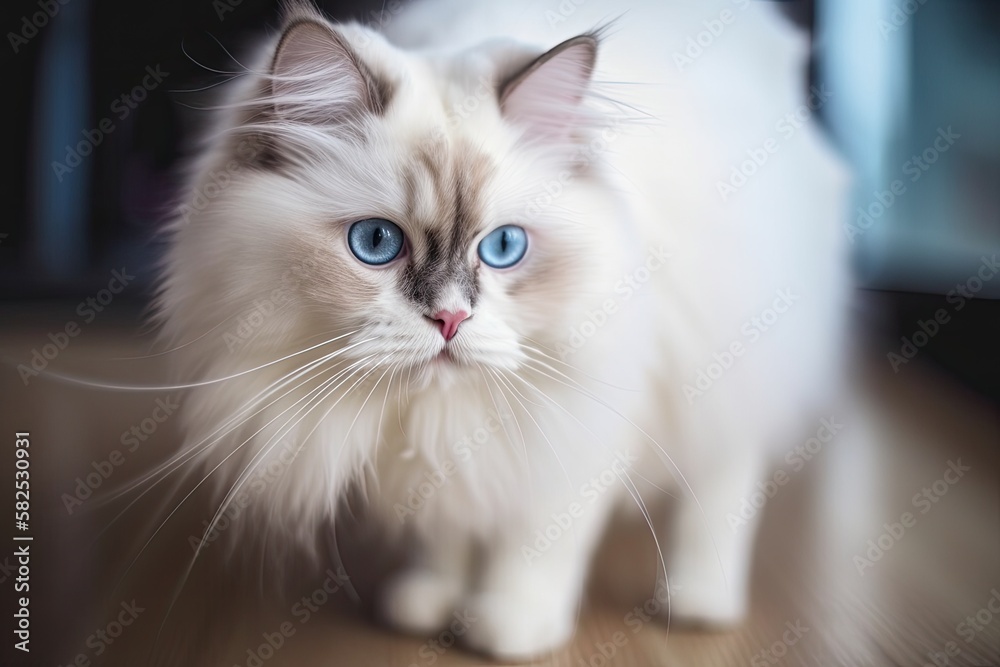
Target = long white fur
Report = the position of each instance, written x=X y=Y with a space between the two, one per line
x=388 y=416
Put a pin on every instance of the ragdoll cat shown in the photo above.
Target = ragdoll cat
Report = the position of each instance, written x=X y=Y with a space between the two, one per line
x=501 y=273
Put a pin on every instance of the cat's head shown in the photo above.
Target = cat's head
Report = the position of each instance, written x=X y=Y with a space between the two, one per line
x=443 y=209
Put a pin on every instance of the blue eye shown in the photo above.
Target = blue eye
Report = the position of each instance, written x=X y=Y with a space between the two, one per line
x=375 y=241
x=504 y=246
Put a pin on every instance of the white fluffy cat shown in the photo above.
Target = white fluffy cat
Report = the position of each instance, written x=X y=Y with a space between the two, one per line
x=498 y=288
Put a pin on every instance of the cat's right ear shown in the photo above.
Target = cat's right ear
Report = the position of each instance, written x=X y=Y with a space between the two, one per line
x=317 y=78
x=546 y=96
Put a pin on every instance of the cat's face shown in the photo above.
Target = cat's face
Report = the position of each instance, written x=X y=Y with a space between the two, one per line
x=429 y=206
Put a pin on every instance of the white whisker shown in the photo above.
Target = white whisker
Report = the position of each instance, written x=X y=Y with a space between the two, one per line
x=135 y=387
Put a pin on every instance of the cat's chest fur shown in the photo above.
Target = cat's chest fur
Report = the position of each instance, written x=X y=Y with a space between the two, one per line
x=462 y=454
x=490 y=448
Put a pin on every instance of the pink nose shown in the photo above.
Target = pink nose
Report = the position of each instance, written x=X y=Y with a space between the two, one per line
x=449 y=321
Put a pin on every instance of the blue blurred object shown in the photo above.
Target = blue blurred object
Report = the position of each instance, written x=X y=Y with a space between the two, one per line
x=61 y=207
x=917 y=111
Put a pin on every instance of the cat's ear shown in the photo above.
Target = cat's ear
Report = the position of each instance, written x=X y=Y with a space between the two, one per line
x=546 y=96
x=316 y=77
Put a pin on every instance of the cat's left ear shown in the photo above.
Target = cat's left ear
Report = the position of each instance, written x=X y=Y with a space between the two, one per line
x=546 y=96
x=317 y=77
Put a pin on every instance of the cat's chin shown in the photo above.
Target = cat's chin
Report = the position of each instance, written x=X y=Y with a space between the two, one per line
x=445 y=364
x=444 y=357
x=447 y=368
x=443 y=370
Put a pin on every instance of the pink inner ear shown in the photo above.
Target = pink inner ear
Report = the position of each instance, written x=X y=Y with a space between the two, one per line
x=315 y=77
x=546 y=98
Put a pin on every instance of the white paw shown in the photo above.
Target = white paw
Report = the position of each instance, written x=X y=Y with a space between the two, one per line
x=517 y=627
x=708 y=603
x=421 y=601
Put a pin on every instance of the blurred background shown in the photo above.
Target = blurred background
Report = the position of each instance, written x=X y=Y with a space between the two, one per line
x=95 y=142
x=103 y=108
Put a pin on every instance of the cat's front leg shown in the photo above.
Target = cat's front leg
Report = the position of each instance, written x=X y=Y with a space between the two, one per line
x=711 y=554
x=527 y=600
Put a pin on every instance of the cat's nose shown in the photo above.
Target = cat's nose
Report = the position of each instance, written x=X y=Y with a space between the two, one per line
x=448 y=321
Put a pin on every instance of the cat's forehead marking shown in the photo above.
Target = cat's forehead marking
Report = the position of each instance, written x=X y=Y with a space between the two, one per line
x=453 y=178
x=430 y=169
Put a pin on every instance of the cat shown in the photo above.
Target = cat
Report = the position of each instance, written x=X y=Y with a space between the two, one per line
x=502 y=269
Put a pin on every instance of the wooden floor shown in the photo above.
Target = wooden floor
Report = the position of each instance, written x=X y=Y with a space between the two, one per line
x=909 y=607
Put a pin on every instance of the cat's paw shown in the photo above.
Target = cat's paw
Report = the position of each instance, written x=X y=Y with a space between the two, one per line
x=518 y=627
x=420 y=601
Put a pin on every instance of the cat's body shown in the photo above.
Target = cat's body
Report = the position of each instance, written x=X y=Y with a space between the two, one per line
x=660 y=328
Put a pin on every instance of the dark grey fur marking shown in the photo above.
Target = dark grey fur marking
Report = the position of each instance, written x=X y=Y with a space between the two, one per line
x=441 y=257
